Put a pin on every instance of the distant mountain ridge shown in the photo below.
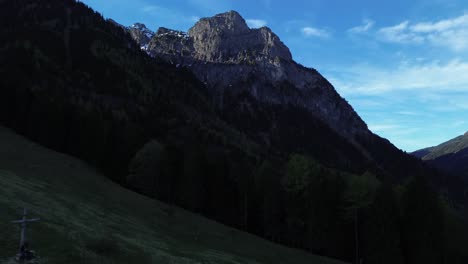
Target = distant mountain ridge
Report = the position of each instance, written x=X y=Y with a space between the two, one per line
x=452 y=146
x=450 y=156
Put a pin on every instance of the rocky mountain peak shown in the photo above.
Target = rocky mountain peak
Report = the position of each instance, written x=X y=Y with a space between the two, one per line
x=223 y=38
x=139 y=26
x=141 y=34
x=226 y=23
x=223 y=52
x=227 y=38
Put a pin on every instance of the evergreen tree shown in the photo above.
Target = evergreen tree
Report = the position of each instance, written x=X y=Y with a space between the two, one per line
x=268 y=200
x=422 y=219
x=381 y=234
x=359 y=195
x=191 y=191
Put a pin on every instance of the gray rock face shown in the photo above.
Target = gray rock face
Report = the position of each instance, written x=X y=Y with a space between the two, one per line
x=224 y=38
x=228 y=56
x=174 y=44
x=227 y=38
x=141 y=34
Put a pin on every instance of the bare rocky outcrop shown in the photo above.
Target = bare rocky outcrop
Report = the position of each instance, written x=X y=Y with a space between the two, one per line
x=141 y=34
x=226 y=38
x=229 y=57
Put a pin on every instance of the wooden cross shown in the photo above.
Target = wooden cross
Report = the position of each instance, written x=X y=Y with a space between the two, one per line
x=23 y=223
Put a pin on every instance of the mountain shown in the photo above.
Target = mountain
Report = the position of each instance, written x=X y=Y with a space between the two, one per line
x=262 y=144
x=223 y=52
x=452 y=146
x=450 y=156
x=422 y=152
x=141 y=34
x=105 y=223
x=253 y=82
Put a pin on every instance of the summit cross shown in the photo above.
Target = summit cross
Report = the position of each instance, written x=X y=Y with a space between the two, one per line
x=23 y=223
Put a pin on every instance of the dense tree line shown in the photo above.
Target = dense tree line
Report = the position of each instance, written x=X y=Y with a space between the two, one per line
x=78 y=84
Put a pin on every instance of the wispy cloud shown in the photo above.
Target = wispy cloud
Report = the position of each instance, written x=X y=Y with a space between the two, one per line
x=433 y=76
x=451 y=33
x=399 y=133
x=415 y=103
x=400 y=33
x=408 y=113
x=256 y=23
x=315 y=32
x=412 y=137
x=366 y=26
x=376 y=128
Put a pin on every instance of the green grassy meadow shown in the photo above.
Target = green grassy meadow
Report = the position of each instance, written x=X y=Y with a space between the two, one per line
x=86 y=218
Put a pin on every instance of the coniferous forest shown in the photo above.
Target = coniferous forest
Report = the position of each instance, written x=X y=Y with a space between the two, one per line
x=78 y=84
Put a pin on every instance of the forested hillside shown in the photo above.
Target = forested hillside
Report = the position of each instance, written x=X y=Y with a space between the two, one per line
x=76 y=83
x=105 y=223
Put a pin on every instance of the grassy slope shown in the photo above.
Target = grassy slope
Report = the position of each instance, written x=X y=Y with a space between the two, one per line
x=452 y=146
x=88 y=219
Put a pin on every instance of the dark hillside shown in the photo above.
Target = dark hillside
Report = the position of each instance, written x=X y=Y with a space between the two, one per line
x=450 y=157
x=80 y=85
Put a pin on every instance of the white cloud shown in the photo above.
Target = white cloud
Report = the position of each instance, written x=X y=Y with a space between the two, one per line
x=383 y=127
x=451 y=33
x=434 y=76
x=408 y=113
x=315 y=32
x=366 y=26
x=400 y=34
x=256 y=23
x=442 y=25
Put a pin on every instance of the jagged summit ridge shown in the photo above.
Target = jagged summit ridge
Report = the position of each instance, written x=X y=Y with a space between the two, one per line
x=166 y=31
x=226 y=37
x=231 y=58
x=141 y=34
x=223 y=38
x=230 y=22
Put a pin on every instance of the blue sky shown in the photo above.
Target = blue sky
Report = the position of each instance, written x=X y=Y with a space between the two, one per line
x=403 y=65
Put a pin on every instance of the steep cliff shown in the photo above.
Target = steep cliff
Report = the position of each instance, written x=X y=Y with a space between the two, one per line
x=141 y=34
x=230 y=58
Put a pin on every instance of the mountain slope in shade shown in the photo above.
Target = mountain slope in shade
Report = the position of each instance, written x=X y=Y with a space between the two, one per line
x=253 y=81
x=105 y=223
x=422 y=152
x=450 y=156
x=81 y=85
x=452 y=146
